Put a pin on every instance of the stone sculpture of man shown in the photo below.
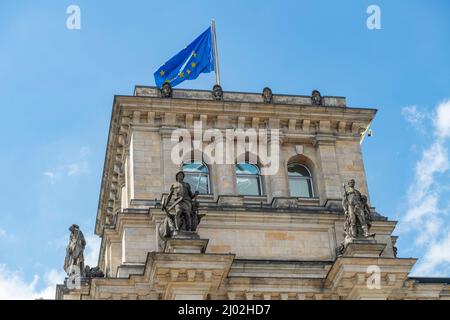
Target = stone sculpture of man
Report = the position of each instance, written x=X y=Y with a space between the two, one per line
x=316 y=98
x=357 y=213
x=74 y=261
x=217 y=92
x=184 y=207
x=267 y=95
x=166 y=90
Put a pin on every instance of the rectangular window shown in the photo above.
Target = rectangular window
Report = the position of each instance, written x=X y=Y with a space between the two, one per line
x=300 y=188
x=198 y=183
x=248 y=186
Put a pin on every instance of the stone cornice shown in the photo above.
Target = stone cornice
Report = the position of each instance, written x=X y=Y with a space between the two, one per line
x=231 y=108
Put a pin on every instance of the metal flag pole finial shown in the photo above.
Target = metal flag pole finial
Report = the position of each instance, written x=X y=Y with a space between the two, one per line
x=216 y=55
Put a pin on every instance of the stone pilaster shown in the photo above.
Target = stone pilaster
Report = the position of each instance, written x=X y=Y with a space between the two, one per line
x=279 y=185
x=145 y=165
x=226 y=177
x=169 y=167
x=329 y=181
x=226 y=180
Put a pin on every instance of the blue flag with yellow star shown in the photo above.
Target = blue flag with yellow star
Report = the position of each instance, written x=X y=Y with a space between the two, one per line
x=189 y=63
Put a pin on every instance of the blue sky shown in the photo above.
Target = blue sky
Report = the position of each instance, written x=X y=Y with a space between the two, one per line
x=57 y=87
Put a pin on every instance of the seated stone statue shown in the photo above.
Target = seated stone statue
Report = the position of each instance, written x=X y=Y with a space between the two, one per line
x=182 y=213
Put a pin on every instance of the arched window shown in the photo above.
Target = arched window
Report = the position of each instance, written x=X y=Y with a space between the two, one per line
x=248 y=179
x=300 y=181
x=196 y=173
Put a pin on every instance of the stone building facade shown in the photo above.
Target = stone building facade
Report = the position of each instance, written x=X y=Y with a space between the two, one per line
x=276 y=242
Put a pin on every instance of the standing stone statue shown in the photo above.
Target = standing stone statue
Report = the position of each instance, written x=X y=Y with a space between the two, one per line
x=182 y=214
x=357 y=213
x=74 y=261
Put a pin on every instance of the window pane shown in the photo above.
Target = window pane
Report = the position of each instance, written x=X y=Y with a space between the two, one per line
x=195 y=166
x=297 y=170
x=198 y=182
x=300 y=188
x=248 y=186
x=246 y=168
x=196 y=174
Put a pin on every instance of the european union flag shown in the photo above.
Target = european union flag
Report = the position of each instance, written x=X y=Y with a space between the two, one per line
x=196 y=58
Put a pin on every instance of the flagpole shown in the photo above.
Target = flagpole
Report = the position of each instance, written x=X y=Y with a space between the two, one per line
x=216 y=55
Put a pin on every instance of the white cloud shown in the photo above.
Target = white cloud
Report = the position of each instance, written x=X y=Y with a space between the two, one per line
x=413 y=115
x=421 y=207
x=14 y=287
x=92 y=250
x=85 y=151
x=434 y=160
x=443 y=120
x=432 y=225
x=2 y=233
x=438 y=255
x=423 y=196
x=427 y=199
x=73 y=169
x=51 y=176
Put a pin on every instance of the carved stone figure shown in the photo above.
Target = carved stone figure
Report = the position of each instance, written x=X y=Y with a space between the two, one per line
x=182 y=214
x=357 y=213
x=316 y=98
x=166 y=90
x=217 y=92
x=111 y=217
x=74 y=261
x=93 y=272
x=267 y=95
x=367 y=213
